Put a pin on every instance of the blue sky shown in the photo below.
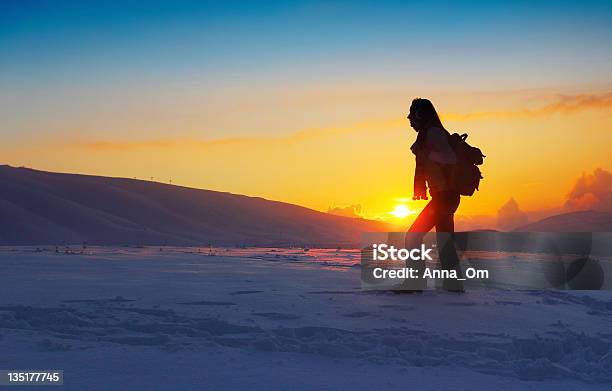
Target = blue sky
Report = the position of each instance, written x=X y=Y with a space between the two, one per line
x=115 y=40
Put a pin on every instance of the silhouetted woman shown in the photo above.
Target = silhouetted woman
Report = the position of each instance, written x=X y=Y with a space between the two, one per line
x=435 y=161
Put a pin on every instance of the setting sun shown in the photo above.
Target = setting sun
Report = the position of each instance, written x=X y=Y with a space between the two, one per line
x=401 y=211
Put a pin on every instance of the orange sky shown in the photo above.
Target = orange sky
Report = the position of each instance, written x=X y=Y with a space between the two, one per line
x=354 y=151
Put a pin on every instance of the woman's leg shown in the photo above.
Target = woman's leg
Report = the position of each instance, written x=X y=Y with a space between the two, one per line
x=445 y=228
x=445 y=206
x=424 y=223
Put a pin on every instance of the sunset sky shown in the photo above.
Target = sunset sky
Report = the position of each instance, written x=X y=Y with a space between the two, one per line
x=305 y=102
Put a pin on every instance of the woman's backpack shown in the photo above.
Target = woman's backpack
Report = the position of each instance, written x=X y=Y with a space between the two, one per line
x=466 y=175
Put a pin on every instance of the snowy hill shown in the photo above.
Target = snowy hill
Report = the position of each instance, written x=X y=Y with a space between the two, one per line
x=585 y=221
x=38 y=207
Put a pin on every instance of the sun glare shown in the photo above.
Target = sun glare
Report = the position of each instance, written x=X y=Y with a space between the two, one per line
x=400 y=211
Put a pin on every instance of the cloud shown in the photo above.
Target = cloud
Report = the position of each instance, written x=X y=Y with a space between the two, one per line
x=510 y=216
x=565 y=104
x=591 y=192
x=347 y=211
x=298 y=136
x=159 y=144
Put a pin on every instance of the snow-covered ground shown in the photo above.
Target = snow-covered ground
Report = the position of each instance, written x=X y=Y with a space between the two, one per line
x=122 y=318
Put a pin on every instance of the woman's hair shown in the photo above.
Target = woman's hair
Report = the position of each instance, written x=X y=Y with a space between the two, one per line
x=426 y=112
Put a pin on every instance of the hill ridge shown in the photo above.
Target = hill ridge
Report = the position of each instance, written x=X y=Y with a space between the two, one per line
x=42 y=207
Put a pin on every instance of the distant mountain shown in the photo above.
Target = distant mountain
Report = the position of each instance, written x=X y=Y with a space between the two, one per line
x=38 y=207
x=586 y=221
